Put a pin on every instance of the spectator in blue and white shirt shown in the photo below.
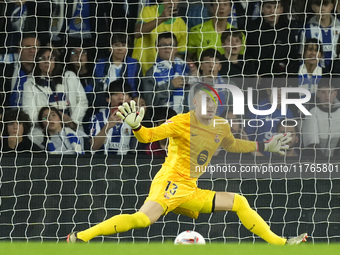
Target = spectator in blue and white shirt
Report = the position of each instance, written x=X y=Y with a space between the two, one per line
x=57 y=21
x=16 y=74
x=310 y=70
x=109 y=133
x=118 y=66
x=60 y=139
x=164 y=81
x=79 y=60
x=324 y=27
x=47 y=87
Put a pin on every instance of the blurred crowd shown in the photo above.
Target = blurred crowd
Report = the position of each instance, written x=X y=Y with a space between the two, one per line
x=67 y=65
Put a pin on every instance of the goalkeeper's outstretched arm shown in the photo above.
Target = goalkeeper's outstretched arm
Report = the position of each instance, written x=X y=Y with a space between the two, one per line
x=129 y=114
x=277 y=144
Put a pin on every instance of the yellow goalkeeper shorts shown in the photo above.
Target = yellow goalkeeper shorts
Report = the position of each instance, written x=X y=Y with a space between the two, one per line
x=182 y=197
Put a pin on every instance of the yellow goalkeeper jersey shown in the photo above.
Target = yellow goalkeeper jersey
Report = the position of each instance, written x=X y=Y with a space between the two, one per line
x=191 y=144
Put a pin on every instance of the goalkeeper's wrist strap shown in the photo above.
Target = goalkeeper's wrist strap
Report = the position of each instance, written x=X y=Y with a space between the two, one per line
x=137 y=129
x=260 y=146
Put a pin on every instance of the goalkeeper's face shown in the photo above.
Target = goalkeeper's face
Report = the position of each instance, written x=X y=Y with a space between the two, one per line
x=210 y=107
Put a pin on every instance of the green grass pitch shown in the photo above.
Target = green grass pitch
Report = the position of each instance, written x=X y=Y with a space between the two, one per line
x=166 y=248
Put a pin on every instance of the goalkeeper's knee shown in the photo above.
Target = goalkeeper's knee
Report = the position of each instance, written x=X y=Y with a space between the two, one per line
x=141 y=220
x=240 y=204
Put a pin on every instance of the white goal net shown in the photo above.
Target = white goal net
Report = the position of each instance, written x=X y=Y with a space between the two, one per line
x=68 y=163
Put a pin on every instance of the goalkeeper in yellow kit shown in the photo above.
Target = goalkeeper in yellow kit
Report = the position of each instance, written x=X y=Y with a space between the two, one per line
x=193 y=140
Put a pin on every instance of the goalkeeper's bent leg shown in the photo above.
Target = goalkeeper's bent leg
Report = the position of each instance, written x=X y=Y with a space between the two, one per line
x=116 y=224
x=253 y=221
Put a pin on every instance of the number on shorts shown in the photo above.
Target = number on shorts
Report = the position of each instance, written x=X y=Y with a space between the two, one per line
x=173 y=190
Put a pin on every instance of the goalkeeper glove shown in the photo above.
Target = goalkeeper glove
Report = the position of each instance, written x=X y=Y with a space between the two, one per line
x=278 y=143
x=129 y=114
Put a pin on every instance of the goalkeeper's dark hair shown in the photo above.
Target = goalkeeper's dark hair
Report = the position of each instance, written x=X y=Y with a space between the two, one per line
x=119 y=86
x=167 y=35
x=201 y=86
x=232 y=33
x=12 y=115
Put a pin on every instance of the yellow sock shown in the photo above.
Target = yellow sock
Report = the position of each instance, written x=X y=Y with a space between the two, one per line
x=253 y=222
x=116 y=224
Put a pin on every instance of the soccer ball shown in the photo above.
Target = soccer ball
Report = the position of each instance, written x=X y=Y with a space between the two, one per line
x=189 y=237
